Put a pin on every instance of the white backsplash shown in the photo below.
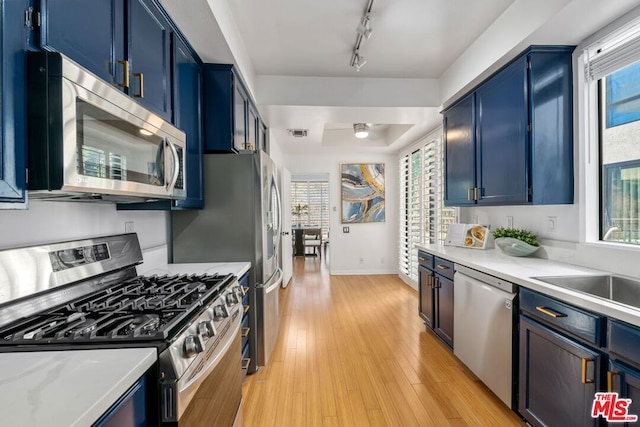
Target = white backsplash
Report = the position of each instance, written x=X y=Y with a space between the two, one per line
x=562 y=244
x=46 y=222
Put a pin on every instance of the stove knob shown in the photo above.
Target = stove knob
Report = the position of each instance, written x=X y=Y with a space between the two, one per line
x=193 y=345
x=220 y=312
x=239 y=290
x=206 y=329
x=232 y=298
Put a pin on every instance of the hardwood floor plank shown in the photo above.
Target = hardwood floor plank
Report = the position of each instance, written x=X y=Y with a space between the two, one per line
x=352 y=351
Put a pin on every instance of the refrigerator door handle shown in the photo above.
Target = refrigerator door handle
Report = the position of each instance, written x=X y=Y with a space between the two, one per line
x=271 y=285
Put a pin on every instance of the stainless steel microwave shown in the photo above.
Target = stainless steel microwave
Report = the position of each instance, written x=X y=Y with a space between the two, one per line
x=89 y=141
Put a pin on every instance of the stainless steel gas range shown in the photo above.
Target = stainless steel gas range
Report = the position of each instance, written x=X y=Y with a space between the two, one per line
x=86 y=294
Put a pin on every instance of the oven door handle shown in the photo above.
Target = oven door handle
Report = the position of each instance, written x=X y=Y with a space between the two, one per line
x=219 y=354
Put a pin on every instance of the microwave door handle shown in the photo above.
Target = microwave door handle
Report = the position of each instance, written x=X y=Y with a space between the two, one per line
x=176 y=165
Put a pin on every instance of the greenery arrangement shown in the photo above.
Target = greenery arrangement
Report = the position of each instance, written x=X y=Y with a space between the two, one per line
x=524 y=235
x=299 y=211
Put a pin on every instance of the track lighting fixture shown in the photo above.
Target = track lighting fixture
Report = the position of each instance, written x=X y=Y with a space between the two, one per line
x=361 y=130
x=364 y=32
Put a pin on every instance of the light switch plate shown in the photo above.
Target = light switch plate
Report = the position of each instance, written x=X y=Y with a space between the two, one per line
x=552 y=223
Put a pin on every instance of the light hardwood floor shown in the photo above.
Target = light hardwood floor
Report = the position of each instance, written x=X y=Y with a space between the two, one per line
x=353 y=351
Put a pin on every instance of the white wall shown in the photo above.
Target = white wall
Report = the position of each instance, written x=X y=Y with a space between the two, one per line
x=46 y=222
x=375 y=243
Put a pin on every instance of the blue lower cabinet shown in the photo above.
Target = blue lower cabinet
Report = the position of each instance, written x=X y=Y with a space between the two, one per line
x=13 y=44
x=558 y=378
x=625 y=381
x=130 y=410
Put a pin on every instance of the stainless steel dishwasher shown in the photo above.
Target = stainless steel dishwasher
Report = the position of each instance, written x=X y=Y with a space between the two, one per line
x=484 y=315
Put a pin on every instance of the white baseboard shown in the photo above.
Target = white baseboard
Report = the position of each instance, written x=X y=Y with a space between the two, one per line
x=361 y=272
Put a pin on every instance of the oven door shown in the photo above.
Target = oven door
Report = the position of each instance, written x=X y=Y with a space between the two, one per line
x=213 y=395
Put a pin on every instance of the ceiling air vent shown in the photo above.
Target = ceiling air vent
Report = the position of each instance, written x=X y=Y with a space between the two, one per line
x=298 y=133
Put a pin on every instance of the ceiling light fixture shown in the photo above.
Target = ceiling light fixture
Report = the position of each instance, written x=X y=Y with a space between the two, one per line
x=361 y=130
x=364 y=32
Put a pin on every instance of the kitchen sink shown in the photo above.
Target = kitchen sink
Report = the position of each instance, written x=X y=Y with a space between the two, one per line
x=614 y=288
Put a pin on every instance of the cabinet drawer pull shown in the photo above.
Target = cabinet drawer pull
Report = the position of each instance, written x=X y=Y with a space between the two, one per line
x=245 y=363
x=442 y=267
x=245 y=332
x=584 y=371
x=422 y=258
x=246 y=308
x=245 y=289
x=125 y=82
x=140 y=93
x=549 y=312
x=610 y=375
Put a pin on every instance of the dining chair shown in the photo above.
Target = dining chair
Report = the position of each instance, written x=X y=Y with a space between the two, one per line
x=312 y=238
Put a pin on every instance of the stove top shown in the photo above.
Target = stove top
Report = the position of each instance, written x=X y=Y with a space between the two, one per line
x=138 y=309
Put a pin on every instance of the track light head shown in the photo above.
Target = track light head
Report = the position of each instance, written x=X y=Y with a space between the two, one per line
x=359 y=61
x=364 y=29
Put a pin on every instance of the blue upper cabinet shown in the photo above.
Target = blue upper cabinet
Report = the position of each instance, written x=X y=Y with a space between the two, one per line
x=459 y=134
x=13 y=44
x=502 y=140
x=125 y=42
x=230 y=117
x=149 y=57
x=91 y=33
x=187 y=79
x=519 y=133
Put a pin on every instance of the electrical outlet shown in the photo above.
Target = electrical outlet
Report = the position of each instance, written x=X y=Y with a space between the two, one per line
x=552 y=223
x=509 y=222
x=345 y=229
x=128 y=227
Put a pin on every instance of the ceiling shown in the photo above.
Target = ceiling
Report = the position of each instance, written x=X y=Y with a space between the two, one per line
x=295 y=57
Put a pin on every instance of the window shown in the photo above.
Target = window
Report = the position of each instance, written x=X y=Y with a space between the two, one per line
x=310 y=204
x=613 y=74
x=423 y=217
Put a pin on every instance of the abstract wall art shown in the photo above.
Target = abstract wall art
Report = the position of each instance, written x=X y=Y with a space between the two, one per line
x=362 y=189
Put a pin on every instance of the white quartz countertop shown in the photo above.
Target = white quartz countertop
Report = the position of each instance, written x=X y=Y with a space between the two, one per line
x=521 y=270
x=66 y=388
x=235 y=268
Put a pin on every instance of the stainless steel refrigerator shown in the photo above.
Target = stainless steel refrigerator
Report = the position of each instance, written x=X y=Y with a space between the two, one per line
x=241 y=221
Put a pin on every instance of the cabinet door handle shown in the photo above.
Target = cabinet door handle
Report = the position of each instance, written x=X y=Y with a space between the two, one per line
x=436 y=283
x=245 y=363
x=610 y=375
x=549 y=312
x=469 y=190
x=584 y=371
x=140 y=93
x=125 y=82
x=442 y=267
x=476 y=192
x=246 y=308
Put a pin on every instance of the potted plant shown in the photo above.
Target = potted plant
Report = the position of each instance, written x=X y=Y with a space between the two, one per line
x=299 y=211
x=516 y=242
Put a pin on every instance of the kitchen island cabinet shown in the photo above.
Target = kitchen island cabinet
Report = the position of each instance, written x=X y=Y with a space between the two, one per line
x=13 y=45
x=69 y=388
x=510 y=140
